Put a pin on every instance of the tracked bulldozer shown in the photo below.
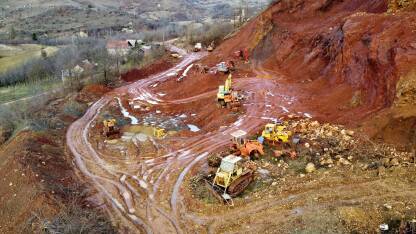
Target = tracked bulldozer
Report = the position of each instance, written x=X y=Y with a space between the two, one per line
x=247 y=148
x=232 y=178
x=110 y=128
x=227 y=97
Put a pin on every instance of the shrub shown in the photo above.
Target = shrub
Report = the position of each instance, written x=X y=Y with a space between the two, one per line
x=208 y=33
x=74 y=109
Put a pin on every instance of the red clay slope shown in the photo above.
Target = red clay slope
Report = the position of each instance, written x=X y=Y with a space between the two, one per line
x=325 y=46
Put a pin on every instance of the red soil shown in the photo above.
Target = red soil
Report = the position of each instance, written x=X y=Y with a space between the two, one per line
x=96 y=89
x=332 y=51
x=340 y=60
x=138 y=74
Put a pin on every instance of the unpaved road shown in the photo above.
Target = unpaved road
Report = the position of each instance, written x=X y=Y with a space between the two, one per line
x=138 y=207
x=146 y=194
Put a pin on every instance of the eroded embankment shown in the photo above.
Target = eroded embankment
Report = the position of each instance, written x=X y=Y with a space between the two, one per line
x=323 y=47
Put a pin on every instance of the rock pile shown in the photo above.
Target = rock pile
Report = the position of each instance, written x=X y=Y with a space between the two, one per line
x=327 y=145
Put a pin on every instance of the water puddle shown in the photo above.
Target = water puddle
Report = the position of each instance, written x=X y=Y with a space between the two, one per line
x=126 y=114
x=193 y=128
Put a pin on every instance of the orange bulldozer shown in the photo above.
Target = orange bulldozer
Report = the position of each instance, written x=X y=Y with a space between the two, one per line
x=246 y=148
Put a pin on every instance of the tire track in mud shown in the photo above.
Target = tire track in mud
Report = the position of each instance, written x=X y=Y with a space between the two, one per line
x=92 y=166
x=125 y=198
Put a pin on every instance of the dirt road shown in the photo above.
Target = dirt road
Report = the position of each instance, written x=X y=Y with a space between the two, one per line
x=139 y=208
x=147 y=194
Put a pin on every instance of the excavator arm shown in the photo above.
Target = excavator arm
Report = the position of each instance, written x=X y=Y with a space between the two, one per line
x=228 y=83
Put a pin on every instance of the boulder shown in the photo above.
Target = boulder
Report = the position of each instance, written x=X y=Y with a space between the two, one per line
x=214 y=160
x=381 y=171
x=385 y=162
x=344 y=162
x=310 y=167
x=394 y=162
x=327 y=162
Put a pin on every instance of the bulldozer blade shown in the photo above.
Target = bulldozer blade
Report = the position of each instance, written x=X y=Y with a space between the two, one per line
x=216 y=192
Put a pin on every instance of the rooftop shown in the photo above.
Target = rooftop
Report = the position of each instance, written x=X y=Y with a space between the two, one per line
x=238 y=134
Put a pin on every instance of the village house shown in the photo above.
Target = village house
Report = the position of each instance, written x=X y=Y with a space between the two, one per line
x=123 y=47
x=118 y=47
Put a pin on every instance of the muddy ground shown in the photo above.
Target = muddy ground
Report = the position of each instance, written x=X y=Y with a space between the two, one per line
x=335 y=62
x=154 y=185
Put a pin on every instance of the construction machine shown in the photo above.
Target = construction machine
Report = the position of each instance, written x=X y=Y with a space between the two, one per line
x=110 y=128
x=211 y=47
x=242 y=54
x=226 y=97
x=159 y=132
x=232 y=177
x=226 y=67
x=246 y=148
x=198 y=47
x=276 y=132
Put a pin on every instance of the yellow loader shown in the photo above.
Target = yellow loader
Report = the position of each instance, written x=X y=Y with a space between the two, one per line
x=274 y=132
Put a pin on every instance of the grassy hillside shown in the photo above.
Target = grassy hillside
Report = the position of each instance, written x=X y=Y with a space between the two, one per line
x=58 y=17
x=14 y=56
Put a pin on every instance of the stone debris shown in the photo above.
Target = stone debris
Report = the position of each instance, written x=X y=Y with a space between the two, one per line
x=327 y=145
x=310 y=167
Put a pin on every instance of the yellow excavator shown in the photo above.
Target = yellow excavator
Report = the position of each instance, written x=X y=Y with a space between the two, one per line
x=226 y=97
x=276 y=132
x=110 y=128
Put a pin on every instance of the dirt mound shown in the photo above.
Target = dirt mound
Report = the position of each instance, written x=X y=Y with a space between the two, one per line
x=138 y=74
x=96 y=89
x=92 y=92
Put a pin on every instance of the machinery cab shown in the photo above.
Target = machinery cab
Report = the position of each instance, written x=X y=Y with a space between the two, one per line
x=221 y=92
x=211 y=47
x=239 y=138
x=269 y=128
x=222 y=67
x=110 y=124
x=230 y=169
